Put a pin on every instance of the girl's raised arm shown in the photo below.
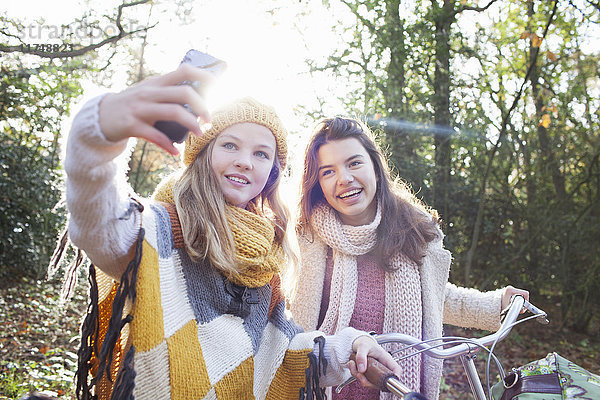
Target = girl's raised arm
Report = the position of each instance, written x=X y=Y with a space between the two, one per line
x=102 y=221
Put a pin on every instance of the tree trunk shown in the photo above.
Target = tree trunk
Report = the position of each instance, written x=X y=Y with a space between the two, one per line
x=397 y=138
x=394 y=90
x=443 y=17
x=550 y=163
x=532 y=219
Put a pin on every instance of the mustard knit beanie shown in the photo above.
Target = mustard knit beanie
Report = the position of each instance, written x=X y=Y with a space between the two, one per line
x=240 y=111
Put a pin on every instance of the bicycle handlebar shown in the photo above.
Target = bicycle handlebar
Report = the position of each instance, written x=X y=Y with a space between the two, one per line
x=386 y=381
x=380 y=375
x=389 y=382
x=511 y=313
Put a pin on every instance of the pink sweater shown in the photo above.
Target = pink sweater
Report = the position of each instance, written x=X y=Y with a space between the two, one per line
x=368 y=314
x=441 y=301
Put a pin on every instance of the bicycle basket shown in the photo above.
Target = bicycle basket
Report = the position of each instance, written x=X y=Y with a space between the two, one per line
x=551 y=378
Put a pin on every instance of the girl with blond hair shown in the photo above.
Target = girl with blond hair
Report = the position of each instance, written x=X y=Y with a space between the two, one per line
x=185 y=288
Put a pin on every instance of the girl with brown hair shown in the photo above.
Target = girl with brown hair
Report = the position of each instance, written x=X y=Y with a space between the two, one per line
x=373 y=257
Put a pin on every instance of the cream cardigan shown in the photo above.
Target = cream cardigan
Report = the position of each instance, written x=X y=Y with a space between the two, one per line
x=442 y=301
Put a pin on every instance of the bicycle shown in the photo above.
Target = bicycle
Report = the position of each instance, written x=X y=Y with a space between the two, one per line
x=465 y=348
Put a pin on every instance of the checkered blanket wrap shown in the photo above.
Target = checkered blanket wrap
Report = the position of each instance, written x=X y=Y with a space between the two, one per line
x=186 y=344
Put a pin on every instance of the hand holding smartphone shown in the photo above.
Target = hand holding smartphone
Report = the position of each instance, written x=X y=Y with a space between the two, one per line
x=175 y=131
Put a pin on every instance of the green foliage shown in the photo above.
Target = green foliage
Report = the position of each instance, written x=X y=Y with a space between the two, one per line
x=34 y=98
x=38 y=339
x=36 y=93
x=22 y=377
x=532 y=176
x=540 y=226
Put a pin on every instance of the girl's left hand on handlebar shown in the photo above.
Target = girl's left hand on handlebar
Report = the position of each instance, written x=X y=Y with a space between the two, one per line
x=365 y=346
x=509 y=292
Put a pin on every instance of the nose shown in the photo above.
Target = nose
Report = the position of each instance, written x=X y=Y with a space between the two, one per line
x=243 y=162
x=346 y=178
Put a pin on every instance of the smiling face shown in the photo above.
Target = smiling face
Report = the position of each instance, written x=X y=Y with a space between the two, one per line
x=348 y=180
x=242 y=158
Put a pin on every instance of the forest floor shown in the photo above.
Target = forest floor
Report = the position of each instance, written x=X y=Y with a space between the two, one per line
x=39 y=338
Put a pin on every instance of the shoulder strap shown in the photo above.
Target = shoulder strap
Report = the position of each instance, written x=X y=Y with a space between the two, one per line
x=276 y=293
x=175 y=225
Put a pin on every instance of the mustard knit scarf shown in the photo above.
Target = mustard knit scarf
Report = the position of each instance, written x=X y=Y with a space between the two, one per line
x=257 y=254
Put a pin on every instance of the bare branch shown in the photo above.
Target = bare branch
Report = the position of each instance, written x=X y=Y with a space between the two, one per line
x=79 y=51
x=596 y=5
x=364 y=21
x=108 y=61
x=69 y=53
x=5 y=33
x=471 y=8
x=120 y=12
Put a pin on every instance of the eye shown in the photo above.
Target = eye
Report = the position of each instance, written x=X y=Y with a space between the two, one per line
x=229 y=146
x=262 y=154
x=355 y=163
x=326 y=172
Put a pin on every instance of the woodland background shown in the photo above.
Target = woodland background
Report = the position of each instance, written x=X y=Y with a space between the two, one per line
x=496 y=127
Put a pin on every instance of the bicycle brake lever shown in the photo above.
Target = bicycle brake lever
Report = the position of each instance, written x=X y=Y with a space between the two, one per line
x=542 y=316
x=340 y=387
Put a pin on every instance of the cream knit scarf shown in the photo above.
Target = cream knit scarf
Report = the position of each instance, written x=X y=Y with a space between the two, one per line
x=347 y=242
x=403 y=302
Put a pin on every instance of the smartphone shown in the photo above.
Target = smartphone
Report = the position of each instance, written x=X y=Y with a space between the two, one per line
x=175 y=131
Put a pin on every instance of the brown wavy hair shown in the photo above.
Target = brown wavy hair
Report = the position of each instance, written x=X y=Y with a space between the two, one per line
x=407 y=224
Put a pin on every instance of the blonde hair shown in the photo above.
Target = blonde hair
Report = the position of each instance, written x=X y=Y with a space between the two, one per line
x=201 y=207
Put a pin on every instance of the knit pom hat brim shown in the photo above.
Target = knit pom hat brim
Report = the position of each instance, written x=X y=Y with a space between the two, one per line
x=240 y=111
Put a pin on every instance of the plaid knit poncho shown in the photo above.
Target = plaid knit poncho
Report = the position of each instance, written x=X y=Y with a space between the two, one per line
x=195 y=335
